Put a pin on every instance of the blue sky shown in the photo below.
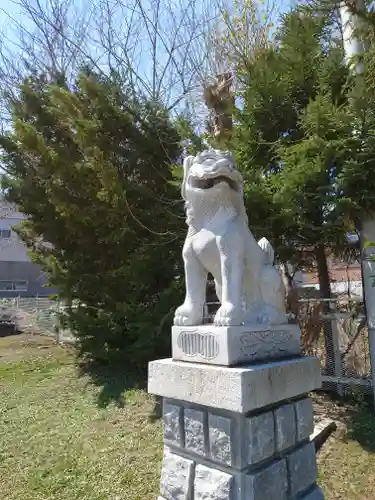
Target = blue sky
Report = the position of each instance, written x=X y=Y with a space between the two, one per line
x=11 y=9
x=11 y=12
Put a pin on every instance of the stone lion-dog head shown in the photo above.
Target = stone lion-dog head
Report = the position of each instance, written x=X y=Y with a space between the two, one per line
x=211 y=180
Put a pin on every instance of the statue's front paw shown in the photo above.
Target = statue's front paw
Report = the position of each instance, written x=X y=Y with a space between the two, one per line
x=228 y=315
x=188 y=315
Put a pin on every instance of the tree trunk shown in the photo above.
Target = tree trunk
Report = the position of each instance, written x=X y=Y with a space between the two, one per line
x=291 y=292
x=325 y=293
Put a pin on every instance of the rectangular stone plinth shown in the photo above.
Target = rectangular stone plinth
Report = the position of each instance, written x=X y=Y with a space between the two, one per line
x=238 y=389
x=240 y=441
x=237 y=457
x=233 y=345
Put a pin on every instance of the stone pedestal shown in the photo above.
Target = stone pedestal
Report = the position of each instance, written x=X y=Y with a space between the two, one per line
x=232 y=345
x=237 y=433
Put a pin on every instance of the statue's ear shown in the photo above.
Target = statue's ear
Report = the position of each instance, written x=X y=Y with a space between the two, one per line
x=266 y=246
x=188 y=161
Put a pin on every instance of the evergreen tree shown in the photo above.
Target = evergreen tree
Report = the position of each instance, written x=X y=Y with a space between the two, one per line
x=283 y=82
x=290 y=139
x=91 y=168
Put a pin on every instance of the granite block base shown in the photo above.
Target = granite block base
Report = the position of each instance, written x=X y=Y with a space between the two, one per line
x=238 y=433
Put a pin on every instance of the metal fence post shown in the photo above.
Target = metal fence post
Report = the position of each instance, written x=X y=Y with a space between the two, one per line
x=336 y=346
x=368 y=271
x=57 y=322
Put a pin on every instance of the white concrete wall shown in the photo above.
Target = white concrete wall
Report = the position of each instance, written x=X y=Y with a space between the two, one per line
x=11 y=249
x=341 y=288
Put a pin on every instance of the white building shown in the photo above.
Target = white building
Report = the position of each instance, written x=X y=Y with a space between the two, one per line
x=18 y=275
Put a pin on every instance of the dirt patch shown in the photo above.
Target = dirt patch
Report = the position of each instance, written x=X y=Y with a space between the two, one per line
x=326 y=407
x=23 y=346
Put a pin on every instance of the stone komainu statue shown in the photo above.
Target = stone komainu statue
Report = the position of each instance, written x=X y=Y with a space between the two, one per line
x=249 y=287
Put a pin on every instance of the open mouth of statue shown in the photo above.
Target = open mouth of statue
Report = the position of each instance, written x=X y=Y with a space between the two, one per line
x=211 y=182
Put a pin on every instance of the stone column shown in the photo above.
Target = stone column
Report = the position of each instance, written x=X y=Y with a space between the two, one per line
x=237 y=417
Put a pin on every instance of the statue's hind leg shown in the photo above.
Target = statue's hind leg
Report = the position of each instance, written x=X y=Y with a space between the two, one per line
x=218 y=290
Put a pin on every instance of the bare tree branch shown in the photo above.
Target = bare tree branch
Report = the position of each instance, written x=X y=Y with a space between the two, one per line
x=157 y=46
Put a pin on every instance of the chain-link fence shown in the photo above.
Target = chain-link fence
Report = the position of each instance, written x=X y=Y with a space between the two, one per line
x=335 y=331
x=33 y=315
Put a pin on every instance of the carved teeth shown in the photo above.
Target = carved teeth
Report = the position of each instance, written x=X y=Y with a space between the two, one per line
x=202 y=182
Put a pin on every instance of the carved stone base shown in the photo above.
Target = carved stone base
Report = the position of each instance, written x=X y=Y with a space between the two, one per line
x=232 y=345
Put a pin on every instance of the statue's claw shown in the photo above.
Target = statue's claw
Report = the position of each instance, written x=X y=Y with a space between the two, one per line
x=228 y=315
x=188 y=315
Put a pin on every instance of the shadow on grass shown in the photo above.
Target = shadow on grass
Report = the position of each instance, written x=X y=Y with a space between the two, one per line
x=361 y=426
x=355 y=410
x=113 y=382
x=8 y=331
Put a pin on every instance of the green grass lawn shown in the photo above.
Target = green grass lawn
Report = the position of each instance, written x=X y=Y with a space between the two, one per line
x=67 y=436
x=62 y=437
